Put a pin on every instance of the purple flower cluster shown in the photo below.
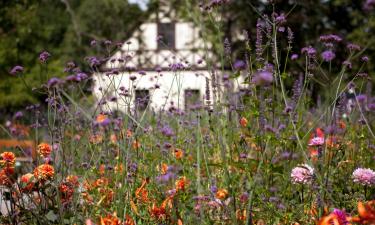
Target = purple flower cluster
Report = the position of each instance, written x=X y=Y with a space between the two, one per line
x=44 y=56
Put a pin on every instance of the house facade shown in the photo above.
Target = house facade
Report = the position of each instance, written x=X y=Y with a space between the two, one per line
x=165 y=63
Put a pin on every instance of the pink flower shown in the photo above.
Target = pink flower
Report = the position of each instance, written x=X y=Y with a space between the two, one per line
x=302 y=174
x=363 y=176
x=316 y=141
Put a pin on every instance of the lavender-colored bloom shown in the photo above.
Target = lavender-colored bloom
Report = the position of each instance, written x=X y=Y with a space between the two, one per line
x=142 y=72
x=93 y=42
x=330 y=38
x=93 y=61
x=328 y=55
x=16 y=69
x=347 y=63
x=294 y=57
x=43 y=57
x=365 y=58
x=310 y=51
x=18 y=115
x=53 y=82
x=369 y=5
x=281 y=18
x=361 y=98
x=263 y=78
x=167 y=131
x=176 y=66
x=364 y=176
x=259 y=42
x=239 y=65
x=302 y=174
x=81 y=76
x=353 y=47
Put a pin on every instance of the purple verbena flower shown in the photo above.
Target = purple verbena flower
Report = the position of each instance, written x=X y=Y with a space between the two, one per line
x=43 y=57
x=328 y=55
x=15 y=70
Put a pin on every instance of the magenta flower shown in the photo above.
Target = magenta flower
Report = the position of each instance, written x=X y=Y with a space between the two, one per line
x=263 y=78
x=43 y=57
x=302 y=174
x=363 y=176
x=15 y=70
x=328 y=55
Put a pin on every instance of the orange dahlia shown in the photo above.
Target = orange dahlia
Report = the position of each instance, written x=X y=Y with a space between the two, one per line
x=44 y=149
x=44 y=172
x=222 y=194
x=7 y=159
x=178 y=153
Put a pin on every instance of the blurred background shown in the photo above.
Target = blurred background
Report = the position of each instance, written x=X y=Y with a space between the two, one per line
x=65 y=29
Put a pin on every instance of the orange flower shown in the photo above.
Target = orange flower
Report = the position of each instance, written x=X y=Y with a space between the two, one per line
x=96 y=139
x=110 y=220
x=8 y=159
x=141 y=193
x=366 y=213
x=164 y=168
x=119 y=168
x=44 y=149
x=129 y=133
x=101 y=118
x=161 y=212
x=178 y=153
x=102 y=169
x=243 y=122
x=26 y=179
x=129 y=220
x=136 y=145
x=181 y=184
x=222 y=194
x=241 y=214
x=101 y=182
x=44 y=172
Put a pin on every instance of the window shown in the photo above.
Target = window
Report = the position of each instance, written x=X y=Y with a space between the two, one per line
x=166 y=36
x=142 y=99
x=192 y=99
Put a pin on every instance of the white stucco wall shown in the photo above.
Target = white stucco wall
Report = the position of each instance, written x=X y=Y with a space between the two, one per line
x=172 y=86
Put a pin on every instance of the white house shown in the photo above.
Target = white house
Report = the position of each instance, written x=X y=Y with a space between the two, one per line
x=164 y=63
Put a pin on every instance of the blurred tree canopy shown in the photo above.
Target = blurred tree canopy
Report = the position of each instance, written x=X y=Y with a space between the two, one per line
x=65 y=28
